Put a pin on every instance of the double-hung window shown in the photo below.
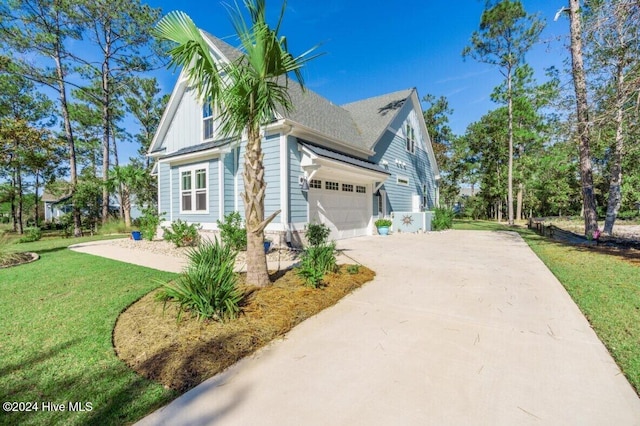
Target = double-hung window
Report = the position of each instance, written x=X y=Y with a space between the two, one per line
x=411 y=138
x=207 y=121
x=193 y=189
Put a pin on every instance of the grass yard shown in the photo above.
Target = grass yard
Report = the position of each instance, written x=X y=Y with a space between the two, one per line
x=604 y=283
x=57 y=316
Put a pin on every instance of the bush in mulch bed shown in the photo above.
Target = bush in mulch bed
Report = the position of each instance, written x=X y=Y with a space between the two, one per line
x=182 y=354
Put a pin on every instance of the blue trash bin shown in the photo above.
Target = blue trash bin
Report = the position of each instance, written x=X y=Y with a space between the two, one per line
x=136 y=235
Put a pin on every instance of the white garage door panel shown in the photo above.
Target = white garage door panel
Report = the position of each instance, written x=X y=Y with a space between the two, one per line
x=347 y=214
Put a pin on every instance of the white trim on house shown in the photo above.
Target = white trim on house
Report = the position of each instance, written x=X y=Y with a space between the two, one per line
x=221 y=187
x=194 y=191
x=284 y=179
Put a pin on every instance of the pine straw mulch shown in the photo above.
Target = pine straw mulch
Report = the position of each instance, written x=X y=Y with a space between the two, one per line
x=182 y=354
x=16 y=259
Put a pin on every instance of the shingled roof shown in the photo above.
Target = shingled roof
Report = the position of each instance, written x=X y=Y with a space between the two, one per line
x=357 y=124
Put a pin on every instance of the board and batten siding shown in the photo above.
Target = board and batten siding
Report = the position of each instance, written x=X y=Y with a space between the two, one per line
x=186 y=127
x=298 y=204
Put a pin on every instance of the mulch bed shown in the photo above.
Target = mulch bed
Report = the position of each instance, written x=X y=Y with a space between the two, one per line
x=182 y=354
x=19 y=259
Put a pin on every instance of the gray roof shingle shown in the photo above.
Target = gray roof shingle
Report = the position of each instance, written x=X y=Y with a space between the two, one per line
x=358 y=124
x=373 y=115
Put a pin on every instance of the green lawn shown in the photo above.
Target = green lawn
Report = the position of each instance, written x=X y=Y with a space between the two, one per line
x=606 y=288
x=56 y=317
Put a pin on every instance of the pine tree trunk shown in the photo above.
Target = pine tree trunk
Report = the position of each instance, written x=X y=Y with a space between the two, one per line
x=68 y=132
x=615 y=181
x=37 y=209
x=510 y=173
x=20 y=224
x=519 y=197
x=116 y=163
x=106 y=123
x=580 y=85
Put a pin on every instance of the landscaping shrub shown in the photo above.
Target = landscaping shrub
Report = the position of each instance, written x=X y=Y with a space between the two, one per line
x=383 y=223
x=353 y=269
x=316 y=261
x=31 y=234
x=207 y=288
x=232 y=232
x=443 y=219
x=149 y=223
x=182 y=233
x=317 y=234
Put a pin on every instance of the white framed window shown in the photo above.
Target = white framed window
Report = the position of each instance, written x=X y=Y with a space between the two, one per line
x=194 y=196
x=346 y=187
x=361 y=189
x=401 y=180
x=332 y=186
x=315 y=184
x=207 y=121
x=411 y=138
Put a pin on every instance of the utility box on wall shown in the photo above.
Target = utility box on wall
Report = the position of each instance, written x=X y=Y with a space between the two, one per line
x=412 y=221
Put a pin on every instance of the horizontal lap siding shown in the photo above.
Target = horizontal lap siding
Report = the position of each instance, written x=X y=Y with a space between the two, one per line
x=297 y=199
x=230 y=167
x=418 y=169
x=213 y=189
x=271 y=151
x=164 y=190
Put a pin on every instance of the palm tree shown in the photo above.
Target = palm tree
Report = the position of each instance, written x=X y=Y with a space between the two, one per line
x=247 y=92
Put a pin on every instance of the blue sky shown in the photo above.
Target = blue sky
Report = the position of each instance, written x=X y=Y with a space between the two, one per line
x=375 y=47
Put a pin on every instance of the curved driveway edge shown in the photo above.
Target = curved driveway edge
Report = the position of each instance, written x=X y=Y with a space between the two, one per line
x=460 y=327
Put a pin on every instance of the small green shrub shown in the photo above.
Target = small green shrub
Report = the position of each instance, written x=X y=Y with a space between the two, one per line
x=315 y=262
x=182 y=233
x=317 y=234
x=353 y=269
x=381 y=223
x=232 y=232
x=207 y=288
x=443 y=219
x=31 y=234
x=149 y=223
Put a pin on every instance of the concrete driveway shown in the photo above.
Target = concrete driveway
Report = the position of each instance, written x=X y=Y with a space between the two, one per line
x=459 y=327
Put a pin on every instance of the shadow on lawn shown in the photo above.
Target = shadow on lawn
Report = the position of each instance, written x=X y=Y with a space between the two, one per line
x=38 y=379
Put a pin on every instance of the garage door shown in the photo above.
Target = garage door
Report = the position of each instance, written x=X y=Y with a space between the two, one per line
x=344 y=207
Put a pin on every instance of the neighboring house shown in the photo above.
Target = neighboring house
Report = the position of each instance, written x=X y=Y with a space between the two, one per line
x=55 y=206
x=343 y=166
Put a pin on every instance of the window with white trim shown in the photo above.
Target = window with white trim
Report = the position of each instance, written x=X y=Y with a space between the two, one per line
x=315 y=184
x=361 y=189
x=411 y=138
x=207 y=121
x=194 y=197
x=347 y=187
x=332 y=186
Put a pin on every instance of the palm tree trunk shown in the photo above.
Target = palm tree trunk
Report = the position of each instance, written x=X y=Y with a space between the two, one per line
x=253 y=196
x=580 y=85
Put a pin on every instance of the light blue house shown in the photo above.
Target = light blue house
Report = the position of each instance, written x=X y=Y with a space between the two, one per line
x=344 y=166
